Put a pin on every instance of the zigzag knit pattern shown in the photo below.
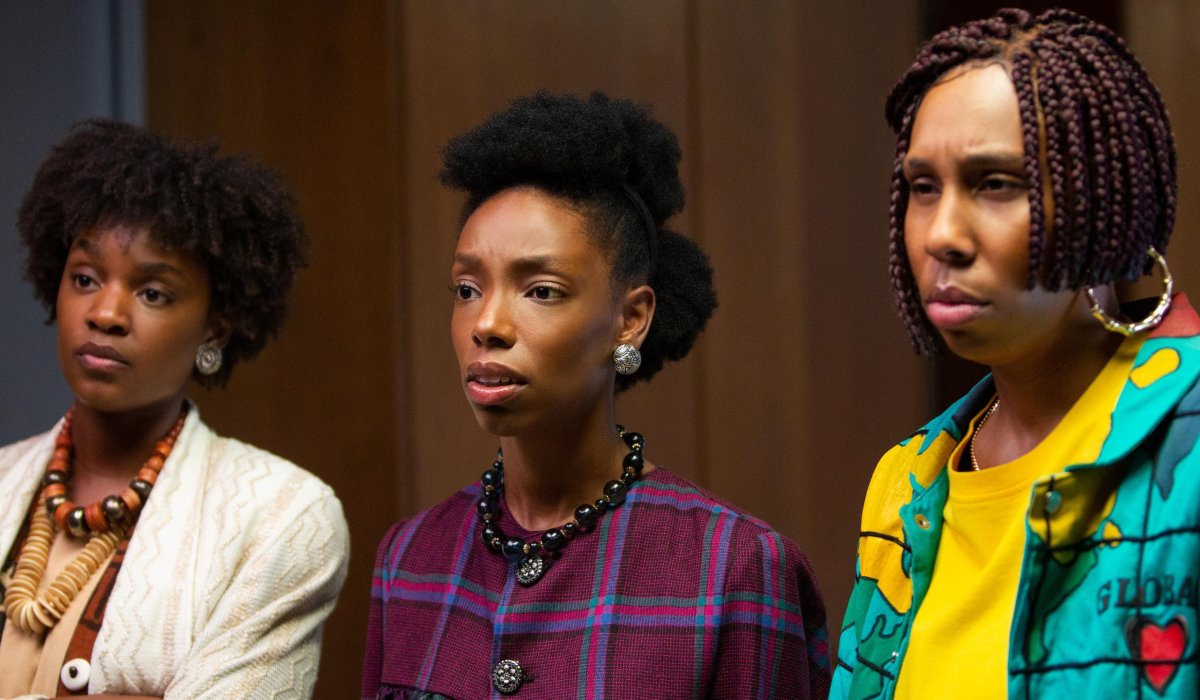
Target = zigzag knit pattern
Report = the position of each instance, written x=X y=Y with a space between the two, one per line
x=236 y=562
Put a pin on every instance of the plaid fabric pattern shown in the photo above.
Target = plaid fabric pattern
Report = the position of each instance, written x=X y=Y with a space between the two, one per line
x=673 y=595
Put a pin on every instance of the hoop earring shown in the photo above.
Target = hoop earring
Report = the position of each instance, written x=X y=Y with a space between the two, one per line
x=1164 y=302
x=627 y=359
x=208 y=359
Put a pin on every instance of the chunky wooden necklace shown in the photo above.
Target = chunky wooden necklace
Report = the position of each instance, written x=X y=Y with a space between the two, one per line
x=108 y=512
x=104 y=523
x=535 y=556
x=32 y=613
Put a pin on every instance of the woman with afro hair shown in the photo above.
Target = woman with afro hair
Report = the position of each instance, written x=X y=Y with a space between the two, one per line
x=577 y=567
x=143 y=555
x=1041 y=538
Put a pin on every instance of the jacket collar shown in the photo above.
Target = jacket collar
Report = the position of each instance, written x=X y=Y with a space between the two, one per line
x=1165 y=369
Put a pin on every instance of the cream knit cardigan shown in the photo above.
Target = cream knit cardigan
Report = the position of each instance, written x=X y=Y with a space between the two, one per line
x=235 y=563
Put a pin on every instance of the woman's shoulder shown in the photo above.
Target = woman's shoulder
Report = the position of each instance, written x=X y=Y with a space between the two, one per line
x=21 y=467
x=666 y=488
x=759 y=570
x=229 y=471
x=239 y=462
x=668 y=500
x=22 y=451
x=437 y=520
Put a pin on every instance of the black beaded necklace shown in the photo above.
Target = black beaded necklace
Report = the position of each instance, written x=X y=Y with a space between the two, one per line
x=535 y=555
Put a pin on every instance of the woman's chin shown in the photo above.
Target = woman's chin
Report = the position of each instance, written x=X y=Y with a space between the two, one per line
x=496 y=420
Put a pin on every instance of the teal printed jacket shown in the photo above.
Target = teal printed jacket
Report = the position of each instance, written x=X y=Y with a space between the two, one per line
x=1107 y=599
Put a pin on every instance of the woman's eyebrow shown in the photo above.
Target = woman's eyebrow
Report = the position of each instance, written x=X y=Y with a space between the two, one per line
x=151 y=269
x=534 y=263
x=1001 y=161
x=520 y=266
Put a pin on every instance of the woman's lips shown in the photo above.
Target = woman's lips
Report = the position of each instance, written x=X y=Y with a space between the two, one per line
x=492 y=395
x=944 y=315
x=100 y=358
x=950 y=307
x=491 y=384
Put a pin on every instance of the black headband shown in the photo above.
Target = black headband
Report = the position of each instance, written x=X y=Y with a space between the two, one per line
x=647 y=221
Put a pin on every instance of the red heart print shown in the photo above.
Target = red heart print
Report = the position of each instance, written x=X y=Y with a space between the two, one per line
x=1158 y=643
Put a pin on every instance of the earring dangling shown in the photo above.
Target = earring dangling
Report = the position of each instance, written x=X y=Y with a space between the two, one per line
x=1164 y=303
x=627 y=358
x=208 y=359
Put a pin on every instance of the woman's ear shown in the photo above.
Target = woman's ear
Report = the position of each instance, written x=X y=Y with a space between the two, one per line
x=637 y=312
x=219 y=331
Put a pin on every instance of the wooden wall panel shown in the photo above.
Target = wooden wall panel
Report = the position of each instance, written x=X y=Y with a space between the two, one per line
x=809 y=377
x=1162 y=33
x=305 y=86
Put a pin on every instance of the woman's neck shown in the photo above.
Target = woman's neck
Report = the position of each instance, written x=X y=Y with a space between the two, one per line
x=1037 y=393
x=113 y=446
x=549 y=474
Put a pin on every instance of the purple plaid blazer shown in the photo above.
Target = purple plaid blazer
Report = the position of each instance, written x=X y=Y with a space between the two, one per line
x=675 y=594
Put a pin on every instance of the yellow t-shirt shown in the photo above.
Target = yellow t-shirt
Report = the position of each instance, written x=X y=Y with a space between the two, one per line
x=958 y=647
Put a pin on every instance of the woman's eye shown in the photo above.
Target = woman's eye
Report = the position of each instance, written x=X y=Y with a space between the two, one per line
x=921 y=188
x=464 y=291
x=544 y=292
x=1003 y=186
x=154 y=297
x=82 y=281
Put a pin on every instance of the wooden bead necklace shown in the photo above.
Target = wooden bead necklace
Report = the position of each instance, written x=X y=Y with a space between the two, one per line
x=108 y=512
x=104 y=523
x=535 y=555
x=32 y=613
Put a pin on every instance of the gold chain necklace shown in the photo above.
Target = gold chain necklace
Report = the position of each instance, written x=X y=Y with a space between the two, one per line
x=990 y=411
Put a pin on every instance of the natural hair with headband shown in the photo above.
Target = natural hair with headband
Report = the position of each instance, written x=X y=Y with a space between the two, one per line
x=618 y=166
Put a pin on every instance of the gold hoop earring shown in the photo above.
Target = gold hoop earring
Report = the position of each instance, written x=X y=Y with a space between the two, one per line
x=1164 y=302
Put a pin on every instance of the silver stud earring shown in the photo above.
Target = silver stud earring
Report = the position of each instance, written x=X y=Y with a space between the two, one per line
x=208 y=359
x=627 y=358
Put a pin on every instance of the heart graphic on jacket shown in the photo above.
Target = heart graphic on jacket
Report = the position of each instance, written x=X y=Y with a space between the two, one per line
x=1162 y=645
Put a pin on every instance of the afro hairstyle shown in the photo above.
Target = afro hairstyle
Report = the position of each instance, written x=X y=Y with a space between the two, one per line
x=238 y=217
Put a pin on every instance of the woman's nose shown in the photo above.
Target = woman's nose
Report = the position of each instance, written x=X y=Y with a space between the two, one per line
x=493 y=325
x=109 y=312
x=950 y=238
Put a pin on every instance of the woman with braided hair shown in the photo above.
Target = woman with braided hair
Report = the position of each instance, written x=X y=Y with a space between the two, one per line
x=1041 y=537
x=578 y=568
x=141 y=554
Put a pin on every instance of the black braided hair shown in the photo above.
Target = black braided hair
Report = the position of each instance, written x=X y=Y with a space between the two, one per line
x=1109 y=154
x=586 y=152
x=238 y=217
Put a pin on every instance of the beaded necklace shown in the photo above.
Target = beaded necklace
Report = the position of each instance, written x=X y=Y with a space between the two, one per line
x=105 y=523
x=112 y=510
x=535 y=556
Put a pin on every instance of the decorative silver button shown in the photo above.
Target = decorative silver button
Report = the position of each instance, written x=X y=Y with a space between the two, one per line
x=1053 y=502
x=75 y=674
x=507 y=676
x=530 y=570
